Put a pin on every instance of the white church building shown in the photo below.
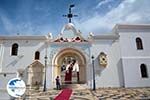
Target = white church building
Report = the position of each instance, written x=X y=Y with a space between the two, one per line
x=121 y=58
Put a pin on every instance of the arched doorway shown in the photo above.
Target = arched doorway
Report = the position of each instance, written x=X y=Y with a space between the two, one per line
x=60 y=63
x=35 y=74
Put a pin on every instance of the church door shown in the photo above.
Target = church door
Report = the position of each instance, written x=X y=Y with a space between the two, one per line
x=70 y=66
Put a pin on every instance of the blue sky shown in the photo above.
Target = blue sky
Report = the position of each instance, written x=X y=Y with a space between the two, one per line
x=38 y=17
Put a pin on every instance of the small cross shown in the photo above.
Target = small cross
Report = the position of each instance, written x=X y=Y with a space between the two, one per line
x=70 y=15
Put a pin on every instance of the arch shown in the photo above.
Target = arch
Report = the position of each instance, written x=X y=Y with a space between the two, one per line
x=37 y=55
x=69 y=26
x=67 y=52
x=14 y=49
x=139 y=43
x=35 y=74
x=143 y=69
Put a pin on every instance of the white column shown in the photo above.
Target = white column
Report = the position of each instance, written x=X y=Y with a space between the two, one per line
x=49 y=79
x=1 y=56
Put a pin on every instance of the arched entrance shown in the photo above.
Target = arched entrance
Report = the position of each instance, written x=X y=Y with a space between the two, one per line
x=61 y=61
x=35 y=74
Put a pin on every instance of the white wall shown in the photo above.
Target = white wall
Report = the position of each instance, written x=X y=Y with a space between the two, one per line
x=107 y=77
x=133 y=58
x=4 y=79
x=133 y=73
x=128 y=44
x=25 y=57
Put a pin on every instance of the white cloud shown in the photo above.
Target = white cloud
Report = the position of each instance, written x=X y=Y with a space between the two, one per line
x=127 y=12
x=103 y=3
x=12 y=28
x=24 y=28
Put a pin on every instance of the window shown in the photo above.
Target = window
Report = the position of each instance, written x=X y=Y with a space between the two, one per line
x=139 y=44
x=144 y=73
x=37 y=55
x=14 y=50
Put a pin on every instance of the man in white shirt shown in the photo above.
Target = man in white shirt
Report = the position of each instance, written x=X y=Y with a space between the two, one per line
x=76 y=68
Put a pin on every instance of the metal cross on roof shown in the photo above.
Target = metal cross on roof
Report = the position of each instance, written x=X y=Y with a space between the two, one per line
x=70 y=15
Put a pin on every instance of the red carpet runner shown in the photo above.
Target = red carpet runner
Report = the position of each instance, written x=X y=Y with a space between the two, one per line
x=64 y=95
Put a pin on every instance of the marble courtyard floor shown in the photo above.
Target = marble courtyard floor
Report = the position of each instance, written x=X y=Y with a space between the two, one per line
x=99 y=94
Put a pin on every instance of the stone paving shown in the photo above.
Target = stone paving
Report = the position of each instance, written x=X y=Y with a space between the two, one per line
x=99 y=94
x=122 y=93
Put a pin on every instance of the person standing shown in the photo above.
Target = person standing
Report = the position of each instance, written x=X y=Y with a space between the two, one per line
x=57 y=83
x=68 y=74
x=76 y=69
